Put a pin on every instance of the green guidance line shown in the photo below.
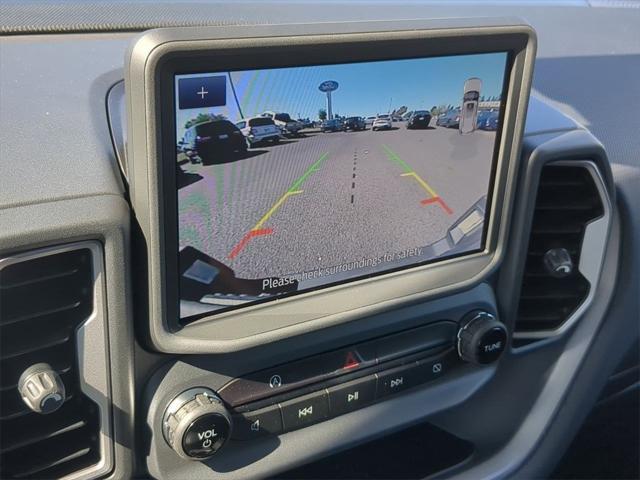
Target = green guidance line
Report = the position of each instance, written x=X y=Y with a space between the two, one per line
x=310 y=170
x=395 y=158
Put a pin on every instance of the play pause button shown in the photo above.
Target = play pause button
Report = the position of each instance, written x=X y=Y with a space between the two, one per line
x=351 y=396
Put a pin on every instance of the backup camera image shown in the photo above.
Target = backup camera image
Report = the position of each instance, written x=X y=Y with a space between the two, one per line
x=293 y=179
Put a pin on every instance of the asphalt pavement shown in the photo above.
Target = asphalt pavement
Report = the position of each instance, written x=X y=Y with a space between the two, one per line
x=327 y=199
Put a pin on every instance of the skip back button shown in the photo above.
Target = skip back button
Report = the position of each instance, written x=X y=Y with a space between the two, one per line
x=304 y=411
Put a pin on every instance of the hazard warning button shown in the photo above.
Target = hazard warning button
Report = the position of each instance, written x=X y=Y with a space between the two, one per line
x=351 y=360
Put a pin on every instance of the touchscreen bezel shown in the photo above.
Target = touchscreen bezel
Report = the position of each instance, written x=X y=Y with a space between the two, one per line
x=199 y=50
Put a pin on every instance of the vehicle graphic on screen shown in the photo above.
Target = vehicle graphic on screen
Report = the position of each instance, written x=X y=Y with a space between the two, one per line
x=470 y=101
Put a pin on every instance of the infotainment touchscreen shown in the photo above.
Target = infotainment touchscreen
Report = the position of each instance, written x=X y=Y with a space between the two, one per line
x=294 y=179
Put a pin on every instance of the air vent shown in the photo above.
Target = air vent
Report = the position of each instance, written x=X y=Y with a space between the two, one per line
x=43 y=300
x=568 y=199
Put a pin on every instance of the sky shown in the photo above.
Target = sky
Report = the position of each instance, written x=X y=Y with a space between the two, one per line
x=365 y=89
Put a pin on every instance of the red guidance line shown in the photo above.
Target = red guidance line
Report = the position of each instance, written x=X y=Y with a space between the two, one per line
x=248 y=236
x=439 y=201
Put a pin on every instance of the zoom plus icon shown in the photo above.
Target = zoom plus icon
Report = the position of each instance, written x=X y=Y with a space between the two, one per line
x=275 y=381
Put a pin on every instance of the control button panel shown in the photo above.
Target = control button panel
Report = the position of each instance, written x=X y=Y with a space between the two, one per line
x=292 y=376
x=337 y=400
x=196 y=423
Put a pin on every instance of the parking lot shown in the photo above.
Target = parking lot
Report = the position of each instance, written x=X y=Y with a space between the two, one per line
x=329 y=198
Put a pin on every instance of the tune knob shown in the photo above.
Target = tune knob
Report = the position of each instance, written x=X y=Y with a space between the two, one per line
x=481 y=338
x=196 y=424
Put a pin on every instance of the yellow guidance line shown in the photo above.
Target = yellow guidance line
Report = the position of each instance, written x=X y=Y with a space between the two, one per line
x=424 y=184
x=409 y=172
x=273 y=209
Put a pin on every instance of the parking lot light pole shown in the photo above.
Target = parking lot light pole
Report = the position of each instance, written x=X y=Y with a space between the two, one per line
x=235 y=96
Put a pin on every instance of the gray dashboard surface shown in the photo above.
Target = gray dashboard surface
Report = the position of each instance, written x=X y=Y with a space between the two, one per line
x=53 y=126
x=54 y=138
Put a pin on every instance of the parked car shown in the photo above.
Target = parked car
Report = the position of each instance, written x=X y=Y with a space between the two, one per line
x=450 y=119
x=288 y=127
x=419 y=119
x=354 y=123
x=382 y=122
x=334 y=125
x=488 y=120
x=213 y=140
x=306 y=123
x=258 y=130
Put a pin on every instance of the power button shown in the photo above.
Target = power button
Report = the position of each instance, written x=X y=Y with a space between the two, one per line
x=205 y=435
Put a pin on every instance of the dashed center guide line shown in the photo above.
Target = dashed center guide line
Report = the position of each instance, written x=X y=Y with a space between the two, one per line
x=258 y=230
x=409 y=172
x=353 y=176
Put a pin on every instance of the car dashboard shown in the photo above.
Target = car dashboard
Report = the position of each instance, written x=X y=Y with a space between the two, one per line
x=476 y=350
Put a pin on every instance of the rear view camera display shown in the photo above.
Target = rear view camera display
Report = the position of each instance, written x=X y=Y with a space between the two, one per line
x=293 y=179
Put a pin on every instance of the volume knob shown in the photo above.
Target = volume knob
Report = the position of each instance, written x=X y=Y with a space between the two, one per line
x=481 y=338
x=196 y=424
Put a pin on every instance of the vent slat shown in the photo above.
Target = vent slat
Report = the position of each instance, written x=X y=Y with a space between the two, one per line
x=557 y=229
x=549 y=296
x=43 y=278
x=566 y=201
x=19 y=350
x=19 y=409
x=41 y=468
x=44 y=299
x=31 y=440
x=42 y=313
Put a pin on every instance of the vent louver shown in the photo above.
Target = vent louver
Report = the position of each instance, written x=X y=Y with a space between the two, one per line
x=567 y=200
x=43 y=300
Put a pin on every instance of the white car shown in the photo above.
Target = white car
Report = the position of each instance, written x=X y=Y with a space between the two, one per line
x=382 y=122
x=259 y=129
x=285 y=123
x=369 y=121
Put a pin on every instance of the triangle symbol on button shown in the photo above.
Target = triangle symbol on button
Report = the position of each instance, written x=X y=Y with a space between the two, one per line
x=351 y=361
